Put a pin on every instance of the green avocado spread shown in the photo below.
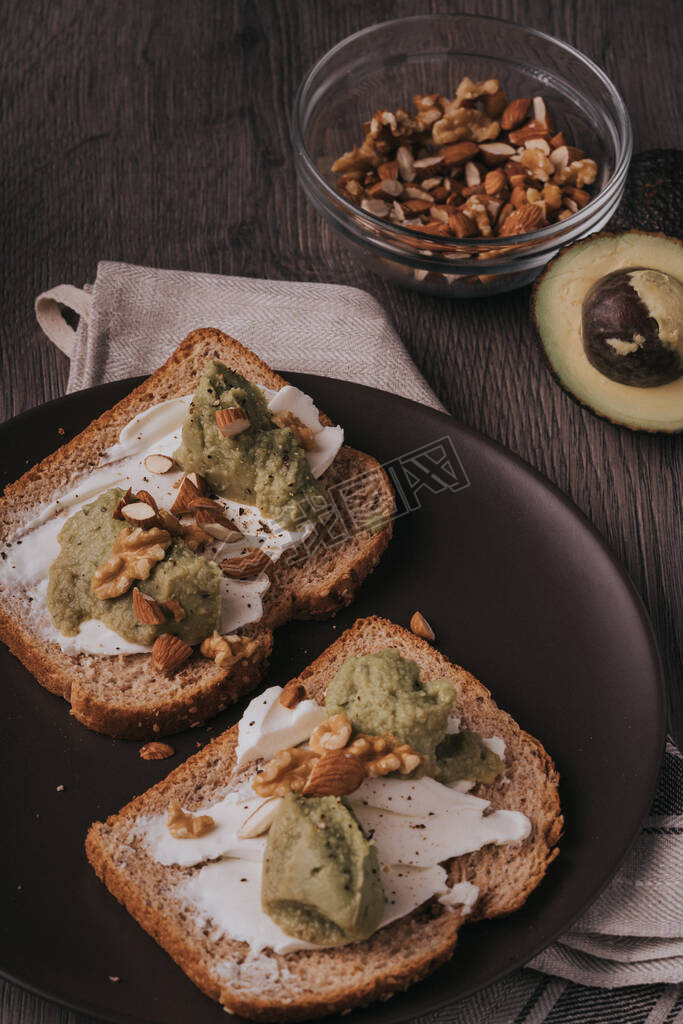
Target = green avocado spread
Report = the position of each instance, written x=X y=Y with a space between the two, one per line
x=382 y=693
x=86 y=541
x=321 y=880
x=320 y=873
x=264 y=465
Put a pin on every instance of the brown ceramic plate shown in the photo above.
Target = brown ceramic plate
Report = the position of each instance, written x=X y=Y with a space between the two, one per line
x=519 y=588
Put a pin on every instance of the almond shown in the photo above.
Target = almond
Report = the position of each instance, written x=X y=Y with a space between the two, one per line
x=336 y=773
x=159 y=463
x=245 y=566
x=518 y=196
x=495 y=153
x=503 y=214
x=210 y=515
x=125 y=500
x=494 y=182
x=427 y=166
x=146 y=610
x=232 y=421
x=174 y=608
x=389 y=187
x=459 y=153
x=147 y=498
x=559 y=140
x=293 y=693
x=260 y=820
x=139 y=514
x=527 y=218
x=461 y=225
x=169 y=653
x=472 y=174
x=195 y=538
x=540 y=111
x=541 y=144
x=494 y=103
x=532 y=130
x=388 y=169
x=156 y=751
x=515 y=113
x=420 y=627
x=188 y=492
x=579 y=195
x=167 y=521
x=416 y=205
x=565 y=155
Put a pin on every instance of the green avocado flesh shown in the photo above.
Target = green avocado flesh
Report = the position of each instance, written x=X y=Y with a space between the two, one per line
x=607 y=311
x=464 y=756
x=86 y=541
x=321 y=879
x=264 y=465
x=382 y=693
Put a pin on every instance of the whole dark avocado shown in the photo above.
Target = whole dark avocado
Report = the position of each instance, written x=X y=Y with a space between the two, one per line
x=653 y=197
x=609 y=314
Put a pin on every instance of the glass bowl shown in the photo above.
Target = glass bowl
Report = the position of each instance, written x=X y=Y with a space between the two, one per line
x=382 y=67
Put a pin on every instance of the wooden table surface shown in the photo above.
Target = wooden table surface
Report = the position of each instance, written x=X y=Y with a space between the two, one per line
x=158 y=133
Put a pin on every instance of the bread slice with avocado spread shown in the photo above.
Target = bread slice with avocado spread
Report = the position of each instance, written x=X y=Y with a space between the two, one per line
x=200 y=897
x=124 y=613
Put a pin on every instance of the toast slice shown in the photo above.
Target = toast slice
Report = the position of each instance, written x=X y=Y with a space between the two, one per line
x=305 y=984
x=123 y=695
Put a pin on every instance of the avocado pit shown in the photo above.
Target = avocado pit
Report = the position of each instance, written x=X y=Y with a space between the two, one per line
x=631 y=327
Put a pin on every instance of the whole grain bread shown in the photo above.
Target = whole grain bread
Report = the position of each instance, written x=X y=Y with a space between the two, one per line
x=123 y=695
x=306 y=984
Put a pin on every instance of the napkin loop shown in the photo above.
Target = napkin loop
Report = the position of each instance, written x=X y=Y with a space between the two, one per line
x=50 y=318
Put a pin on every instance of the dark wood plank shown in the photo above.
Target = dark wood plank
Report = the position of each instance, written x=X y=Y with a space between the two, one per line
x=159 y=134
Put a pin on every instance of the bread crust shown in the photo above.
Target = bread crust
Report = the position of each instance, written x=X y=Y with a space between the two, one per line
x=394 y=958
x=200 y=690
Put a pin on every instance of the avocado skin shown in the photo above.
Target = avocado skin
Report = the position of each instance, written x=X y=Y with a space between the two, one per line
x=653 y=197
x=614 y=309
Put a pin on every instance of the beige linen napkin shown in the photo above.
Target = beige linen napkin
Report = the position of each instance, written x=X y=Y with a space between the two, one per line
x=630 y=941
x=134 y=317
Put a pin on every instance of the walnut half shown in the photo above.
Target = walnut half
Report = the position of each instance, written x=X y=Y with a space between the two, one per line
x=133 y=556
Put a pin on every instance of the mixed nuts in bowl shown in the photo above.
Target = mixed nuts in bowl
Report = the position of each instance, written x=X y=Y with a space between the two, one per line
x=469 y=195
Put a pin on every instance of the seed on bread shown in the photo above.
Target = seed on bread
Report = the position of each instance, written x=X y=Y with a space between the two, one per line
x=169 y=652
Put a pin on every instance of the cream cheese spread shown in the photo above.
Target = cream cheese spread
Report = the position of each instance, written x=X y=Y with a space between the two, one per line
x=416 y=824
x=27 y=558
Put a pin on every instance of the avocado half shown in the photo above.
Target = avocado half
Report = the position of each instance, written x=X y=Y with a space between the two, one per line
x=607 y=312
